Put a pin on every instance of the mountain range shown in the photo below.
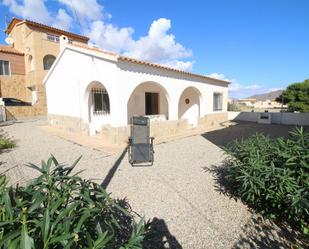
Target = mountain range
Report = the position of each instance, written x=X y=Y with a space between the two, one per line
x=266 y=96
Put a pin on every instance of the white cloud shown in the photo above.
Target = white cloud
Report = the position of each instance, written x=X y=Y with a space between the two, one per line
x=89 y=10
x=110 y=37
x=237 y=90
x=63 y=20
x=36 y=10
x=159 y=45
x=182 y=65
x=219 y=76
x=29 y=9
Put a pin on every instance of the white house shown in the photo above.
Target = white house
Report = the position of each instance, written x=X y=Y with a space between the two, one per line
x=92 y=91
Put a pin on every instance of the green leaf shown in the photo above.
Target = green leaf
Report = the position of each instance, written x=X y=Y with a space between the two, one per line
x=45 y=228
x=26 y=241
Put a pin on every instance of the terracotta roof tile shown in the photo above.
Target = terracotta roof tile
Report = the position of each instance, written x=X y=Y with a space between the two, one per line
x=94 y=49
x=9 y=50
x=147 y=63
x=16 y=21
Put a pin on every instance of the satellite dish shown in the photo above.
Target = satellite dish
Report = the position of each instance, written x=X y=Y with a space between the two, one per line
x=9 y=40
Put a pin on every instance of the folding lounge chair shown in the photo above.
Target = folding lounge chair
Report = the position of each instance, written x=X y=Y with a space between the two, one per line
x=140 y=143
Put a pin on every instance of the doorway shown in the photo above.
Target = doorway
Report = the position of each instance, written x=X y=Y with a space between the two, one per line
x=151 y=103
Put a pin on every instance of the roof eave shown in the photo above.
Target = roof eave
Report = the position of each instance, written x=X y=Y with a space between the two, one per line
x=133 y=60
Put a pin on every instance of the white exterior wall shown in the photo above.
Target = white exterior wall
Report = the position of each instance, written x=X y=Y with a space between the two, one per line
x=66 y=87
x=285 y=118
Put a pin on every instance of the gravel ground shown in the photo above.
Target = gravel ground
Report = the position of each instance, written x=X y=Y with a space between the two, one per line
x=180 y=190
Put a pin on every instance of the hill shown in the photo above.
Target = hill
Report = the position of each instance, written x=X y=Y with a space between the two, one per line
x=271 y=95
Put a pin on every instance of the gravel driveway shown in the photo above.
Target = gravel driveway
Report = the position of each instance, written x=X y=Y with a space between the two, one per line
x=177 y=191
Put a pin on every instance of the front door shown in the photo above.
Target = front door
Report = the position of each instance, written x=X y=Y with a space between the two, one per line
x=151 y=103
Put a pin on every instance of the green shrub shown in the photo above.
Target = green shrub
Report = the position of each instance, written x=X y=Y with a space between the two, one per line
x=272 y=175
x=60 y=210
x=6 y=143
x=232 y=107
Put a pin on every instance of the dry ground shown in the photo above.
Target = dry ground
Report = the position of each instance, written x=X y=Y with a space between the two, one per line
x=181 y=190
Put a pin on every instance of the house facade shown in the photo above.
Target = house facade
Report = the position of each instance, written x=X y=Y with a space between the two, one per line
x=32 y=49
x=96 y=92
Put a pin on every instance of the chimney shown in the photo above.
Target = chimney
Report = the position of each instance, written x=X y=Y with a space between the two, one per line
x=63 y=42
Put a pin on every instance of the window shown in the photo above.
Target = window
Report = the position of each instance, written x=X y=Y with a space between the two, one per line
x=151 y=103
x=4 y=68
x=100 y=101
x=48 y=61
x=53 y=38
x=31 y=63
x=217 y=105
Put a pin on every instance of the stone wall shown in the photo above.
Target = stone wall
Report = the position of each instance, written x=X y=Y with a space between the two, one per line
x=158 y=129
x=18 y=112
x=212 y=120
x=71 y=124
x=14 y=87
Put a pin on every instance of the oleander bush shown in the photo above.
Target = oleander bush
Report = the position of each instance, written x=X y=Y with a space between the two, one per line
x=272 y=175
x=6 y=143
x=61 y=210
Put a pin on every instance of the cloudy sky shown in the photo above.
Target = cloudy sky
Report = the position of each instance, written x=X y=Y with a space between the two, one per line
x=258 y=45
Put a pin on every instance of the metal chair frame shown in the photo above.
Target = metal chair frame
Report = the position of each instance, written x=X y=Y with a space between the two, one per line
x=140 y=148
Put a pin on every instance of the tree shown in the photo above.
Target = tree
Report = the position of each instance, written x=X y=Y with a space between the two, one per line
x=296 y=96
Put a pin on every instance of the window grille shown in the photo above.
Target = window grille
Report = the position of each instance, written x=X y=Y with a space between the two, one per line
x=100 y=101
x=4 y=68
x=217 y=102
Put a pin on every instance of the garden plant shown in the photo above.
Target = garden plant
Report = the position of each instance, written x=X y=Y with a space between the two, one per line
x=59 y=209
x=273 y=175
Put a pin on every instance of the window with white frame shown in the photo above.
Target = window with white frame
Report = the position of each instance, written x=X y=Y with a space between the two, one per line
x=53 y=38
x=217 y=102
x=5 y=68
x=100 y=101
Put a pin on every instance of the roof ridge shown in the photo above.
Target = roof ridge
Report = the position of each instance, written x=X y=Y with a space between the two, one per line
x=28 y=21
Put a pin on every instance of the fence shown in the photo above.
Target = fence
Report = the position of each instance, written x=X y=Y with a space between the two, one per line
x=285 y=118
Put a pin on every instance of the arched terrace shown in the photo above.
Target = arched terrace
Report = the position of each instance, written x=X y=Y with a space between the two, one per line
x=150 y=99
x=189 y=105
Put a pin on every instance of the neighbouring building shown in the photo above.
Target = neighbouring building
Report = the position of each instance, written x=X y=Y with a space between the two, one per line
x=259 y=104
x=32 y=49
x=96 y=92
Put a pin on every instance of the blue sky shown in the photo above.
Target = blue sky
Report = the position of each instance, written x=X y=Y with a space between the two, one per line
x=259 y=45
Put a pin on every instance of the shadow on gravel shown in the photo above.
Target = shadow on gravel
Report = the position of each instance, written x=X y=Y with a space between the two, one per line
x=243 y=130
x=113 y=169
x=258 y=232
x=264 y=233
x=221 y=184
x=158 y=236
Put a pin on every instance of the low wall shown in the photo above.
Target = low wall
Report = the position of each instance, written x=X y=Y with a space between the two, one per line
x=71 y=124
x=158 y=129
x=16 y=112
x=212 y=120
x=285 y=118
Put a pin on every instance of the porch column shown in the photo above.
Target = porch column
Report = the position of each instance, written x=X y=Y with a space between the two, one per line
x=118 y=113
x=173 y=107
